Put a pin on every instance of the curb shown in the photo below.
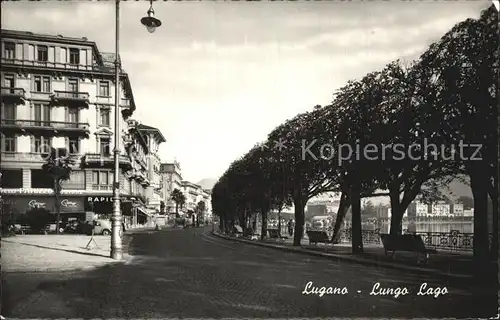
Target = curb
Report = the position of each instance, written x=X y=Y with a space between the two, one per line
x=349 y=259
x=126 y=258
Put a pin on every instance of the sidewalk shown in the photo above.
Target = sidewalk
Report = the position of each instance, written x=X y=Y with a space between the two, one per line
x=449 y=264
x=43 y=253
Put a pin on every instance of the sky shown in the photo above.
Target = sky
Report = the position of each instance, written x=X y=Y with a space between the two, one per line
x=217 y=77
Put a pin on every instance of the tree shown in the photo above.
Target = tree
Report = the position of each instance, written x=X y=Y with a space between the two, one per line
x=200 y=210
x=369 y=210
x=463 y=65
x=37 y=219
x=306 y=173
x=179 y=198
x=58 y=168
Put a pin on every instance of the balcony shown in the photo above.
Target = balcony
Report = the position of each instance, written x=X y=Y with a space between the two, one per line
x=100 y=160
x=71 y=98
x=46 y=64
x=14 y=95
x=21 y=157
x=102 y=187
x=50 y=127
x=107 y=100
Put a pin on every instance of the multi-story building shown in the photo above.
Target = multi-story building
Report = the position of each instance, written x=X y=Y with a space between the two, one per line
x=207 y=198
x=171 y=179
x=457 y=209
x=59 y=92
x=440 y=209
x=192 y=192
x=154 y=192
x=418 y=209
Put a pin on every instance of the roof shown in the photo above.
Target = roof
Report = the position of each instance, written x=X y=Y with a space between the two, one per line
x=50 y=38
x=158 y=135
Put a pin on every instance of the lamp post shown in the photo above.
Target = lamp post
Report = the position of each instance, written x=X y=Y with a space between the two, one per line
x=151 y=24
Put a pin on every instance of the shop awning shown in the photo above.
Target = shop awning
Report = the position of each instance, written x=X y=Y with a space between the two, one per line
x=142 y=211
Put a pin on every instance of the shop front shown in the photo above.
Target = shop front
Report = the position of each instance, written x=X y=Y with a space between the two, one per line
x=102 y=206
x=16 y=205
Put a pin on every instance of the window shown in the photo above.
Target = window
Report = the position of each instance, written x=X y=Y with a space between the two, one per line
x=9 y=115
x=74 y=56
x=104 y=88
x=104 y=117
x=105 y=146
x=76 y=181
x=8 y=81
x=73 y=85
x=102 y=179
x=73 y=118
x=42 y=115
x=9 y=144
x=43 y=55
x=41 y=144
x=41 y=84
x=9 y=51
x=73 y=145
x=12 y=178
x=40 y=179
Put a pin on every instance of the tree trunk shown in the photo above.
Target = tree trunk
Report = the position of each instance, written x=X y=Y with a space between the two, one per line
x=263 y=227
x=299 y=205
x=396 y=213
x=494 y=239
x=279 y=222
x=341 y=213
x=480 y=242
x=356 y=231
x=57 y=192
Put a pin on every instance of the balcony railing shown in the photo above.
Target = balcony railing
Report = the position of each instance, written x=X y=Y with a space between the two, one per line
x=42 y=124
x=22 y=156
x=58 y=65
x=70 y=96
x=102 y=187
x=101 y=159
x=14 y=93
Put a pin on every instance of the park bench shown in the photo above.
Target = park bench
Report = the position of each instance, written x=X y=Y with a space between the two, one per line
x=406 y=242
x=250 y=234
x=316 y=237
x=274 y=234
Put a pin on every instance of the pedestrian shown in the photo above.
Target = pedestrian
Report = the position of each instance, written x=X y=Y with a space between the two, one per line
x=290 y=227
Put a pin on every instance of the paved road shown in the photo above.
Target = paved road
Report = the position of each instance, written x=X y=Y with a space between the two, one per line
x=190 y=273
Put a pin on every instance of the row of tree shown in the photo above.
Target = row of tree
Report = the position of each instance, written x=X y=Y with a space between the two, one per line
x=447 y=98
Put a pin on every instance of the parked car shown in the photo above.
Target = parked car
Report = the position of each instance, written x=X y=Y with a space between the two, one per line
x=102 y=226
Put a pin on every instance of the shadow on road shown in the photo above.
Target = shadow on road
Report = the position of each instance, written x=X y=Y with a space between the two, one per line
x=179 y=274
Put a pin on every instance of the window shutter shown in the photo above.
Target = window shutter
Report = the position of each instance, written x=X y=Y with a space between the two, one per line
x=66 y=114
x=32 y=143
x=66 y=142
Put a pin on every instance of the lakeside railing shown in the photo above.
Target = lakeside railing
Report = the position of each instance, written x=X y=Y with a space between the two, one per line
x=449 y=241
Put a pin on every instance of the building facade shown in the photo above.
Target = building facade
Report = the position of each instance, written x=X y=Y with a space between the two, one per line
x=154 y=193
x=59 y=92
x=192 y=192
x=171 y=178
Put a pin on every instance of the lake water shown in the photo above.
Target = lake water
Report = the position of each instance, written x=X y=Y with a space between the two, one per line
x=435 y=226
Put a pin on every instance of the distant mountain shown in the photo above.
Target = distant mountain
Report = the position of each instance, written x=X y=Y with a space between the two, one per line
x=207 y=183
